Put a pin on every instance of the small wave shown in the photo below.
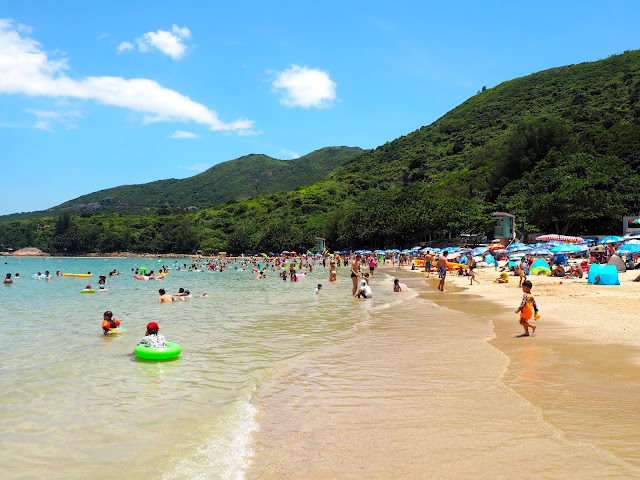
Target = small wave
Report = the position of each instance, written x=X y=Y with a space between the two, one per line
x=226 y=454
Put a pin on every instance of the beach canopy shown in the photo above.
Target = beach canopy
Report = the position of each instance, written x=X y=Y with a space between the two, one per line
x=608 y=274
x=540 y=267
x=560 y=238
x=566 y=248
x=611 y=239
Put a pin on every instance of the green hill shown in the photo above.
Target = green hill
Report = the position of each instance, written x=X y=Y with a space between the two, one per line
x=560 y=149
x=244 y=177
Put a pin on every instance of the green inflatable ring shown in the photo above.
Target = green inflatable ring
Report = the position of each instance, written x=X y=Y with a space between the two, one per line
x=164 y=353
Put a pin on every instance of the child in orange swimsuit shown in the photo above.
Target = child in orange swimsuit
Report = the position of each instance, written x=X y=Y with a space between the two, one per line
x=527 y=308
x=109 y=322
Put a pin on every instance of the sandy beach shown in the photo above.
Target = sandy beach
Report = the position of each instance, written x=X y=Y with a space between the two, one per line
x=441 y=386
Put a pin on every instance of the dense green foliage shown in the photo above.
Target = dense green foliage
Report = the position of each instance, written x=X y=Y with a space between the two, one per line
x=559 y=149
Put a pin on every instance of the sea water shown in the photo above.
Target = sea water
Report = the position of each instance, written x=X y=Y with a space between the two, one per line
x=76 y=404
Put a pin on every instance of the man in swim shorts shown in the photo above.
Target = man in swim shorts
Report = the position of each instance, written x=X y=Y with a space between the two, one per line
x=355 y=274
x=428 y=260
x=442 y=270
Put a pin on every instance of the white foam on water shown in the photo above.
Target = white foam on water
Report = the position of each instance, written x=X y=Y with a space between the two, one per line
x=226 y=454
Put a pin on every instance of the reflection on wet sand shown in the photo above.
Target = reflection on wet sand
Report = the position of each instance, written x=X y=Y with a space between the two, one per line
x=418 y=392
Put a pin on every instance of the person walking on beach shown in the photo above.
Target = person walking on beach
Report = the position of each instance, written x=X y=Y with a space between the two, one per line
x=428 y=260
x=527 y=309
x=442 y=270
x=355 y=274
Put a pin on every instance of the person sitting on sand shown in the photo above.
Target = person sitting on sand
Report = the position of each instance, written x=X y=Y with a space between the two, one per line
x=503 y=278
x=164 y=297
x=576 y=271
x=152 y=338
x=558 y=271
x=527 y=309
x=109 y=322
x=364 y=291
x=396 y=286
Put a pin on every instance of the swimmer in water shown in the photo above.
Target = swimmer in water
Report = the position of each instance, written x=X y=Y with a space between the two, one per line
x=109 y=322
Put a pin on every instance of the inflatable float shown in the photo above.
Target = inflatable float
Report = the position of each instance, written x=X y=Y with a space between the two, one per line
x=114 y=331
x=146 y=277
x=146 y=352
x=88 y=290
x=84 y=275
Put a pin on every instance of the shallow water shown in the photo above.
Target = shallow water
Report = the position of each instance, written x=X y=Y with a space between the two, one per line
x=419 y=392
x=72 y=401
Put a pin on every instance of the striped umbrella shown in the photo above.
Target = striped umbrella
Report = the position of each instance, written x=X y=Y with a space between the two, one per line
x=560 y=238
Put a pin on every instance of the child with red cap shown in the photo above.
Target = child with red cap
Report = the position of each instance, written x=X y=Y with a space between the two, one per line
x=152 y=338
x=109 y=322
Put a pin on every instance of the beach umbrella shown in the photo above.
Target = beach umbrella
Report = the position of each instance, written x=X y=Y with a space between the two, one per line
x=495 y=246
x=539 y=251
x=632 y=242
x=479 y=250
x=565 y=248
x=415 y=249
x=518 y=248
x=611 y=239
x=629 y=248
x=560 y=238
x=632 y=236
x=635 y=221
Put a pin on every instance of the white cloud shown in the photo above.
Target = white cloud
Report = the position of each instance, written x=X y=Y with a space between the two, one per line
x=125 y=46
x=46 y=118
x=170 y=43
x=183 y=134
x=196 y=167
x=43 y=125
x=25 y=68
x=290 y=153
x=305 y=87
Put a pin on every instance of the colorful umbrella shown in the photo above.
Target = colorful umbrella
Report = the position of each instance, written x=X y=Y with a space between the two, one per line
x=560 y=238
x=495 y=246
x=635 y=221
x=611 y=239
x=629 y=248
x=566 y=248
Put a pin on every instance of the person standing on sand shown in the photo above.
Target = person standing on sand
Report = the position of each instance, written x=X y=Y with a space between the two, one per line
x=443 y=266
x=355 y=274
x=527 y=309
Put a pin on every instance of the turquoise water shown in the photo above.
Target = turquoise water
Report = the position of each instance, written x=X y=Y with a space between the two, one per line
x=72 y=400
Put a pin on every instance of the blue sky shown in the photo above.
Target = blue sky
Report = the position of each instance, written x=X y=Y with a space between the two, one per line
x=99 y=94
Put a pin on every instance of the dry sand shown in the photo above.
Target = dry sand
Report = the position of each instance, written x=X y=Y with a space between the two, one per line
x=597 y=313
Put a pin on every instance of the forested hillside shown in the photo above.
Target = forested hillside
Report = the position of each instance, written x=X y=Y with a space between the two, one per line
x=242 y=178
x=558 y=148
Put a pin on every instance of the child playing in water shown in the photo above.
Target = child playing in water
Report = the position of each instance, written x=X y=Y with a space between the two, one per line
x=317 y=291
x=396 y=286
x=152 y=338
x=527 y=309
x=109 y=322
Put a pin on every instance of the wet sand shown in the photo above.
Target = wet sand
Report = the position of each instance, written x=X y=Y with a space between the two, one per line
x=440 y=386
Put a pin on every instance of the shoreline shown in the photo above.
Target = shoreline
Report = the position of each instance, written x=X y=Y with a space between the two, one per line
x=555 y=374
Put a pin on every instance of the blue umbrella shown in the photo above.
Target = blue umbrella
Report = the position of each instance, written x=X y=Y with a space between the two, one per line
x=479 y=251
x=566 y=248
x=518 y=248
x=414 y=249
x=629 y=248
x=611 y=239
x=515 y=245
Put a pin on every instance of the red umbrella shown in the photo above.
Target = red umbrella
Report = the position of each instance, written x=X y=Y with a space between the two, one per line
x=560 y=238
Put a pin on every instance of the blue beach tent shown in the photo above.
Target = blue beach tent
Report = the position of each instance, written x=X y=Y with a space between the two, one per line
x=608 y=274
